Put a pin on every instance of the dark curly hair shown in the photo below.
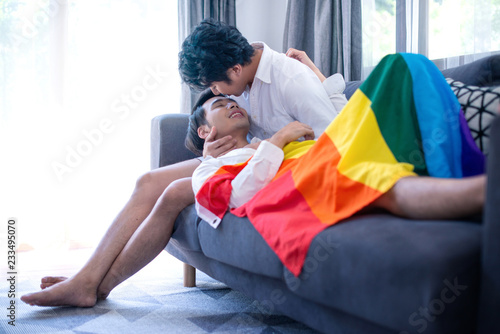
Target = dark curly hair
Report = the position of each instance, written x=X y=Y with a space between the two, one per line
x=198 y=118
x=210 y=51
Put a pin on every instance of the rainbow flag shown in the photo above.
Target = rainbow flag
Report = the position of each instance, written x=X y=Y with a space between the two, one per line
x=403 y=121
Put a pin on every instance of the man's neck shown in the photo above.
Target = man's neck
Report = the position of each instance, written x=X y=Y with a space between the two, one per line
x=241 y=141
x=253 y=66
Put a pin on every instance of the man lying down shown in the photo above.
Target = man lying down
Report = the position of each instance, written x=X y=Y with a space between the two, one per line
x=370 y=156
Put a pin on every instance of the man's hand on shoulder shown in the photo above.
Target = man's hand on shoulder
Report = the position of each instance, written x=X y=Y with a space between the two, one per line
x=304 y=59
x=292 y=132
x=216 y=148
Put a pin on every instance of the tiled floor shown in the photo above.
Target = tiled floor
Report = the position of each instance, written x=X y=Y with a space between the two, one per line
x=152 y=301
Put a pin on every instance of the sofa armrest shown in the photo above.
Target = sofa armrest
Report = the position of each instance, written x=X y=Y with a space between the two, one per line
x=490 y=252
x=168 y=133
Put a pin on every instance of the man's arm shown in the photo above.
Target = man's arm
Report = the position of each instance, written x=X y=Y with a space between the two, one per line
x=258 y=172
x=260 y=169
x=334 y=85
x=265 y=163
x=305 y=99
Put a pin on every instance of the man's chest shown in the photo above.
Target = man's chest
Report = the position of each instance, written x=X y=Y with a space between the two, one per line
x=266 y=110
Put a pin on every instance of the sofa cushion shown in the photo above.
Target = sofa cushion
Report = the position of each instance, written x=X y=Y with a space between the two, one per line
x=237 y=243
x=410 y=264
x=480 y=105
x=350 y=88
x=184 y=235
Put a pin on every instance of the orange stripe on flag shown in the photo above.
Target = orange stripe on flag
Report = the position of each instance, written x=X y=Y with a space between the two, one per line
x=330 y=195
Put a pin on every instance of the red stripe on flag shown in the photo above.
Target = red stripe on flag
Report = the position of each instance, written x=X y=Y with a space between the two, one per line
x=215 y=193
x=288 y=230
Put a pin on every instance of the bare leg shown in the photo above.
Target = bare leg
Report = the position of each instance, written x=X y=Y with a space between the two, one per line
x=151 y=237
x=435 y=198
x=81 y=289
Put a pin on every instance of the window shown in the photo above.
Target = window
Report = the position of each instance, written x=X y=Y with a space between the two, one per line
x=80 y=82
x=379 y=31
x=449 y=32
x=461 y=27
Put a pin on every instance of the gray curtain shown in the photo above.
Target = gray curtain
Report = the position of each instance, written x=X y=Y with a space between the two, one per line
x=191 y=13
x=329 y=31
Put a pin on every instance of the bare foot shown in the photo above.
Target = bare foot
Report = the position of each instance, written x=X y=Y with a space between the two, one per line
x=110 y=281
x=101 y=294
x=70 y=292
x=48 y=281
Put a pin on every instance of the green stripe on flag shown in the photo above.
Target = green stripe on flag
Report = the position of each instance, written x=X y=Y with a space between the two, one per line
x=390 y=89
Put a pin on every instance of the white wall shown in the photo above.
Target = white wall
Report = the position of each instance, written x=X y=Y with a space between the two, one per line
x=262 y=20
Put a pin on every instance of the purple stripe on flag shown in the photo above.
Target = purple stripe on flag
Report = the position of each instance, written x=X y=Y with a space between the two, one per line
x=473 y=160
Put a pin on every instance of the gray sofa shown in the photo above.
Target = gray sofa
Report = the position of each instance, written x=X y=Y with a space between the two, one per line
x=373 y=273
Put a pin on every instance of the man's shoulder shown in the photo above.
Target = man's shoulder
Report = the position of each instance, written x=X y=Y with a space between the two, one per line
x=277 y=64
x=288 y=65
x=292 y=70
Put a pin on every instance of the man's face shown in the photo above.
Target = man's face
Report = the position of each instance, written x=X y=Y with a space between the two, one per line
x=225 y=114
x=236 y=85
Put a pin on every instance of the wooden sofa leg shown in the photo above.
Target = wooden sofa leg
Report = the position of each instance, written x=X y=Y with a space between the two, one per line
x=189 y=276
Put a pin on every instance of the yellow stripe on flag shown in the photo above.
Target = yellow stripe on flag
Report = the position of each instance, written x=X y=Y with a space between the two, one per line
x=297 y=149
x=366 y=158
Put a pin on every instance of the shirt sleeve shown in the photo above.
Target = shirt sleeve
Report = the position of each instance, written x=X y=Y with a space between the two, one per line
x=259 y=171
x=206 y=169
x=306 y=100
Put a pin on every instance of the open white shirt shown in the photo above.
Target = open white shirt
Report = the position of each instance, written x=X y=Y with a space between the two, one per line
x=285 y=90
x=297 y=95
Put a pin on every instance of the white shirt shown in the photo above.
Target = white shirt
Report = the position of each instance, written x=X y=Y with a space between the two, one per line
x=259 y=171
x=285 y=90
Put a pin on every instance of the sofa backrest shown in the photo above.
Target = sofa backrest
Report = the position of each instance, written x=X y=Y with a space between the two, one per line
x=482 y=72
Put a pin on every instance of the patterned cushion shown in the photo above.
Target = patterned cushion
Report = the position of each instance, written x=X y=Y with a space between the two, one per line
x=480 y=105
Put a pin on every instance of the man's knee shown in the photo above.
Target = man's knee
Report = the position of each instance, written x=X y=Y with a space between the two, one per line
x=144 y=181
x=400 y=198
x=149 y=187
x=164 y=176
x=389 y=202
x=178 y=194
x=181 y=190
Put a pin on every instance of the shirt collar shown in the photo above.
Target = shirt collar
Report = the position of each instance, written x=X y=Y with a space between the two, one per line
x=264 y=69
